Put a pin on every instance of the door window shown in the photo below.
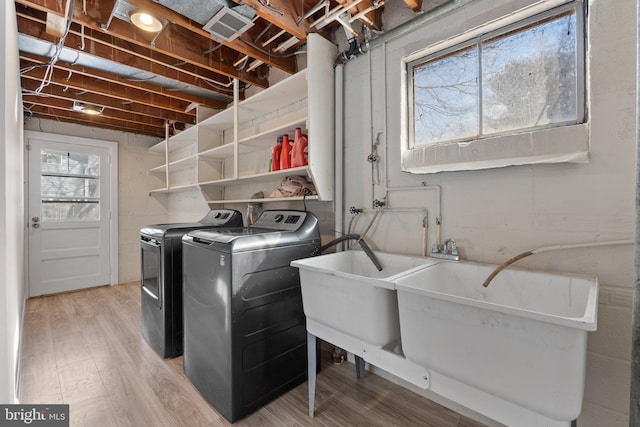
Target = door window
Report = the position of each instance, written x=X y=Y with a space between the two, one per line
x=69 y=186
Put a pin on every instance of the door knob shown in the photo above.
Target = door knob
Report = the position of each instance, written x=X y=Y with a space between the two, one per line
x=35 y=219
x=36 y=225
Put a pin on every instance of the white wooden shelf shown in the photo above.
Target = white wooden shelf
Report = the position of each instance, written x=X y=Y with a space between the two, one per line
x=183 y=139
x=219 y=152
x=260 y=177
x=268 y=137
x=278 y=96
x=183 y=187
x=221 y=121
x=159 y=169
x=236 y=142
x=159 y=191
x=182 y=164
x=263 y=200
x=160 y=147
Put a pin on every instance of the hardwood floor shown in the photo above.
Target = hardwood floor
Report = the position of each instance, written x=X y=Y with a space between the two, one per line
x=85 y=348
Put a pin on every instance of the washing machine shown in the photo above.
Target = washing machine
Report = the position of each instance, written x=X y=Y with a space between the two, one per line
x=244 y=327
x=161 y=278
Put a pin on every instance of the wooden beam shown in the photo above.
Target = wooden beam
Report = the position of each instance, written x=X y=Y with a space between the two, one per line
x=30 y=84
x=291 y=13
x=66 y=105
x=116 y=50
x=88 y=84
x=178 y=43
x=173 y=100
x=285 y=64
x=92 y=121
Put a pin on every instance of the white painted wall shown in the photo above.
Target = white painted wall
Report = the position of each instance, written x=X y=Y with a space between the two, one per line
x=12 y=226
x=135 y=207
x=496 y=214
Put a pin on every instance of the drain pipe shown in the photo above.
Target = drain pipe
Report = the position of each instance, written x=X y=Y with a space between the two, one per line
x=339 y=151
x=634 y=409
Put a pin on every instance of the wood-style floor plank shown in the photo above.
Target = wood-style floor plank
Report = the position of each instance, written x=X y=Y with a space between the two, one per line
x=85 y=348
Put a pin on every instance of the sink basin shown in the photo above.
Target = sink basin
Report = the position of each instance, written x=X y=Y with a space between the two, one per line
x=522 y=339
x=345 y=292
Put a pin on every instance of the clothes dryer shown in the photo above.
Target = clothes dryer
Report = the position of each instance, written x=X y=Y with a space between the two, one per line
x=161 y=278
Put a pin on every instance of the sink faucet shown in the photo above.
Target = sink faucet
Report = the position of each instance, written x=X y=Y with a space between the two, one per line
x=449 y=251
x=367 y=250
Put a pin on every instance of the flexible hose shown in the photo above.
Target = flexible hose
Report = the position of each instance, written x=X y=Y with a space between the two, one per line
x=552 y=248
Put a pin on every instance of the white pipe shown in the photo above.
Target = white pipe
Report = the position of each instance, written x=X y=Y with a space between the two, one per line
x=438 y=214
x=423 y=211
x=365 y=11
x=583 y=245
x=436 y=188
x=346 y=25
x=339 y=154
x=335 y=13
x=634 y=395
x=281 y=32
x=373 y=164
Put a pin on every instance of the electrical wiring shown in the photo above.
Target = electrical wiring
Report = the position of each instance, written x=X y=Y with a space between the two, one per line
x=46 y=81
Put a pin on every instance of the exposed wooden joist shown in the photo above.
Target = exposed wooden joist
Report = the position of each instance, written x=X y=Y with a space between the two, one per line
x=66 y=105
x=93 y=121
x=172 y=100
x=285 y=64
x=175 y=42
x=77 y=94
x=116 y=93
x=113 y=49
x=291 y=12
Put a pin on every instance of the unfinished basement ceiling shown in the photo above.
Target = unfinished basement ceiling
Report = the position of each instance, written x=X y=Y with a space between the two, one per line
x=143 y=81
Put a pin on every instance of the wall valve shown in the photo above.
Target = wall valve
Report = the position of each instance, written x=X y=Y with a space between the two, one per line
x=378 y=203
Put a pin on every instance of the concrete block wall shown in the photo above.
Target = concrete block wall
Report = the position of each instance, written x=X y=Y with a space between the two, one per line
x=135 y=207
x=495 y=214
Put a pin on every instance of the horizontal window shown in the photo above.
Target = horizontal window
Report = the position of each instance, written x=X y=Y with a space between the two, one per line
x=522 y=79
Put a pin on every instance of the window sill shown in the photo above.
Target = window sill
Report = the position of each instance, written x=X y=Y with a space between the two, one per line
x=563 y=144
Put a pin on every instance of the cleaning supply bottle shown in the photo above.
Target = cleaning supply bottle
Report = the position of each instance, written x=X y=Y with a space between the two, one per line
x=275 y=156
x=285 y=154
x=300 y=150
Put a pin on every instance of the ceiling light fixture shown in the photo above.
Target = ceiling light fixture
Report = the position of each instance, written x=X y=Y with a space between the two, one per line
x=92 y=110
x=146 y=21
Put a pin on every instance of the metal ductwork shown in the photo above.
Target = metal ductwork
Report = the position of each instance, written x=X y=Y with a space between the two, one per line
x=224 y=20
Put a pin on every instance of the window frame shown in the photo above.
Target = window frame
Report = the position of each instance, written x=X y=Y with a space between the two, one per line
x=474 y=39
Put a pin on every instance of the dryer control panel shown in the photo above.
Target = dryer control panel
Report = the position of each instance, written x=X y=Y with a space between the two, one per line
x=281 y=220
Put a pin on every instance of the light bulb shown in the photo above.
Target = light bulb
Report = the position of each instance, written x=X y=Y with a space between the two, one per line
x=146 y=21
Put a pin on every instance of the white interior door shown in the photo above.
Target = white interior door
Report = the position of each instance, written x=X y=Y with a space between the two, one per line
x=69 y=216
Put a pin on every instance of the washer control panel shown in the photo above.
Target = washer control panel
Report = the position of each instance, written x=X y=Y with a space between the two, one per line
x=222 y=217
x=281 y=220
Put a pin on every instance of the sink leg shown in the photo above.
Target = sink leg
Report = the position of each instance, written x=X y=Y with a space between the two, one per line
x=311 y=370
x=359 y=367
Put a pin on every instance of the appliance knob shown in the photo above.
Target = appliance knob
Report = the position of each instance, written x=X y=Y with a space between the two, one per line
x=278 y=218
x=217 y=215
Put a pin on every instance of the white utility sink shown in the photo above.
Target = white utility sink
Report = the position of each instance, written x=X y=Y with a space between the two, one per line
x=522 y=339
x=344 y=291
